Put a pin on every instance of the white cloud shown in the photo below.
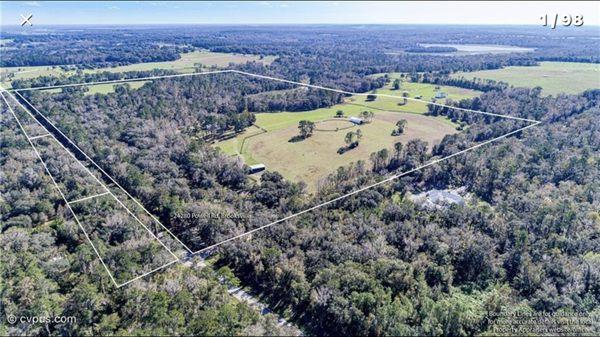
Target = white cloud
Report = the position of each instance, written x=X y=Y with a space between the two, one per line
x=32 y=3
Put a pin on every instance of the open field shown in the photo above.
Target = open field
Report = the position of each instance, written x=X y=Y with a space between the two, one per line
x=186 y=63
x=553 y=77
x=100 y=88
x=233 y=146
x=425 y=90
x=312 y=159
x=356 y=104
x=108 y=88
x=280 y=120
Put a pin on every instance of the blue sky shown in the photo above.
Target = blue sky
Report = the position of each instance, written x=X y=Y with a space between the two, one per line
x=282 y=12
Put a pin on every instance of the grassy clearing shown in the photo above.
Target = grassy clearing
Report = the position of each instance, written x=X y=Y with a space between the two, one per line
x=100 y=88
x=108 y=88
x=426 y=90
x=281 y=120
x=553 y=77
x=312 y=159
x=356 y=104
x=186 y=63
x=233 y=146
x=189 y=61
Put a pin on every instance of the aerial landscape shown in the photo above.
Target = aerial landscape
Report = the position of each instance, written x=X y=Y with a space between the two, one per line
x=299 y=168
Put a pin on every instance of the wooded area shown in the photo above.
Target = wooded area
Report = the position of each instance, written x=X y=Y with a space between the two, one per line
x=372 y=264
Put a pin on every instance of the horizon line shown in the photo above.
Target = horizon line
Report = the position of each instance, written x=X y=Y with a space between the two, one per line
x=283 y=24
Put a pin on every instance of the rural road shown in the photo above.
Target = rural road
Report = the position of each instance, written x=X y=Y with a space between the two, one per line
x=242 y=295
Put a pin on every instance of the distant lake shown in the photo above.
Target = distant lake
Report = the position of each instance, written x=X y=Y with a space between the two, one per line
x=476 y=49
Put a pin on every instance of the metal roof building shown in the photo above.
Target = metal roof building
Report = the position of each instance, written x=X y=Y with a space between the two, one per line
x=356 y=120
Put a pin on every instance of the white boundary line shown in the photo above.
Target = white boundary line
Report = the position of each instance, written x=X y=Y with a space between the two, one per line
x=147 y=273
x=40 y=136
x=85 y=167
x=533 y=123
x=58 y=189
x=87 y=198
x=382 y=95
x=364 y=188
x=91 y=174
x=104 y=172
x=99 y=168
x=125 y=80
x=273 y=79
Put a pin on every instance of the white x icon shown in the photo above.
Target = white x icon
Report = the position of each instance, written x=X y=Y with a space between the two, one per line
x=26 y=20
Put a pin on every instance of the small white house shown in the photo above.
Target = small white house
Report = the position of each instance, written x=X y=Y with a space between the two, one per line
x=356 y=120
x=257 y=168
x=440 y=94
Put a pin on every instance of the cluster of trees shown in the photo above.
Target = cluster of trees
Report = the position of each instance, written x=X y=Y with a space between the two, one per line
x=48 y=269
x=332 y=56
x=400 y=125
x=86 y=48
x=480 y=84
x=296 y=99
x=367 y=115
x=306 y=128
x=352 y=138
x=374 y=263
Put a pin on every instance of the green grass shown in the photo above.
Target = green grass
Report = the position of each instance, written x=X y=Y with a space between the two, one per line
x=108 y=88
x=356 y=104
x=273 y=121
x=186 y=63
x=23 y=73
x=553 y=77
x=101 y=88
x=233 y=146
x=312 y=159
x=426 y=90
x=280 y=120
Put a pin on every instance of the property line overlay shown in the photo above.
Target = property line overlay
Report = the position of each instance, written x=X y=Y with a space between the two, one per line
x=69 y=203
x=108 y=191
x=531 y=122
x=97 y=166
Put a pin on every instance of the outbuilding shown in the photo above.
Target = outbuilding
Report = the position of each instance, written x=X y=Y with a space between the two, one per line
x=257 y=168
x=356 y=120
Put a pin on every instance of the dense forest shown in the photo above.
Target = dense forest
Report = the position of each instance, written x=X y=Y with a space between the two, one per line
x=47 y=268
x=375 y=263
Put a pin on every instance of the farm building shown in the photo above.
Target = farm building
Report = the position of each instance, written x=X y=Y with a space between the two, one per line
x=257 y=168
x=440 y=94
x=356 y=120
